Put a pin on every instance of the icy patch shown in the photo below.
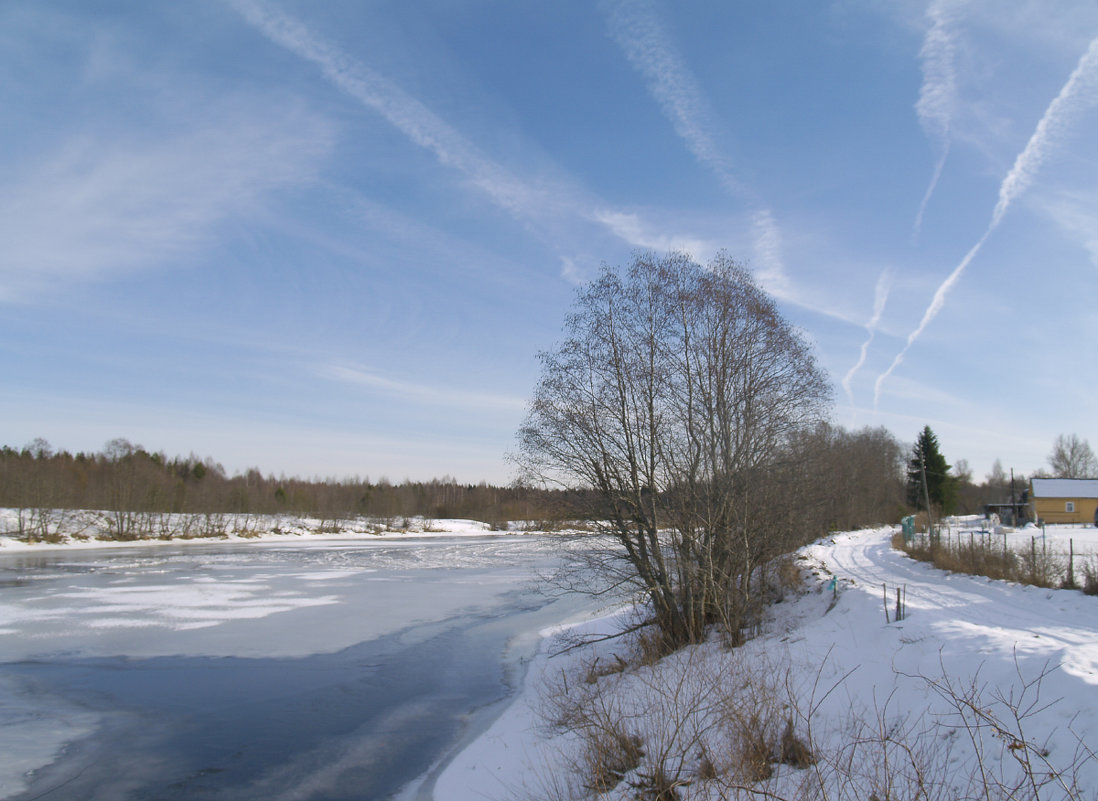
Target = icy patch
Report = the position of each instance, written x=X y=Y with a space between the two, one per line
x=34 y=729
x=250 y=599
x=120 y=623
x=328 y=575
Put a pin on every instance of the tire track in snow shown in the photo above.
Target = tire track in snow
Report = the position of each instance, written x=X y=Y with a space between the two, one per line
x=1058 y=625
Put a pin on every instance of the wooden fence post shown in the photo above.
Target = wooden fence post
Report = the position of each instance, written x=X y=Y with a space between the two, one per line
x=1071 y=563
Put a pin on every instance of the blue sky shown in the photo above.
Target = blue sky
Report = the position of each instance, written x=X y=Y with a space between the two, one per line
x=328 y=239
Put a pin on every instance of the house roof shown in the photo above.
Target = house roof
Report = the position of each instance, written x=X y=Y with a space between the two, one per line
x=1065 y=487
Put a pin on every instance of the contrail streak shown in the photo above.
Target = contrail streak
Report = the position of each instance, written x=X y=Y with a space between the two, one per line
x=937 y=96
x=636 y=28
x=402 y=111
x=930 y=188
x=638 y=32
x=931 y=312
x=535 y=203
x=884 y=285
x=1080 y=90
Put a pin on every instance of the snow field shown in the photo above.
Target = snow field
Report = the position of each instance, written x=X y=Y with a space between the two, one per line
x=982 y=684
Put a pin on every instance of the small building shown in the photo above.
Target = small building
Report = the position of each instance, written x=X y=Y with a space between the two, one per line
x=1065 y=500
x=1012 y=514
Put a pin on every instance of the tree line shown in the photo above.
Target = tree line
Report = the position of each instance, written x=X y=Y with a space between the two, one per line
x=944 y=489
x=862 y=468
x=849 y=479
x=127 y=478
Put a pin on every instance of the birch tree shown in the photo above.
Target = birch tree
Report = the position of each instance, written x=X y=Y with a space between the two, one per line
x=1072 y=457
x=675 y=396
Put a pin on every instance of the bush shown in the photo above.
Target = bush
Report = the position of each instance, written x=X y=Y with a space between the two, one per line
x=1090 y=578
x=732 y=728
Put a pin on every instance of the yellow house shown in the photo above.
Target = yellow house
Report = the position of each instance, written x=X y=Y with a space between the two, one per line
x=1065 y=500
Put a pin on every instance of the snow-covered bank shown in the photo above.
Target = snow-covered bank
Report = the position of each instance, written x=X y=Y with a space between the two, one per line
x=83 y=529
x=910 y=701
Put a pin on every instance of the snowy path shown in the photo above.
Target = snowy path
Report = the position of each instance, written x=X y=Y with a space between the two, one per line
x=989 y=617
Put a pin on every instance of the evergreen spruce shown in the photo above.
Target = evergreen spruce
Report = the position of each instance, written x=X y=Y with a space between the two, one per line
x=928 y=461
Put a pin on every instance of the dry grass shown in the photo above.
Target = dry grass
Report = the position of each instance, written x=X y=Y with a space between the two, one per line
x=709 y=724
x=790 y=575
x=1090 y=577
x=666 y=725
x=610 y=754
x=596 y=671
x=794 y=751
x=980 y=555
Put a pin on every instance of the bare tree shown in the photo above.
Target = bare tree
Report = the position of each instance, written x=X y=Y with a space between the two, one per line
x=1072 y=457
x=969 y=494
x=997 y=480
x=856 y=478
x=675 y=397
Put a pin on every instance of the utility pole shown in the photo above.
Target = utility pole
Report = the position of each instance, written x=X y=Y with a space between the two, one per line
x=1013 y=503
x=926 y=494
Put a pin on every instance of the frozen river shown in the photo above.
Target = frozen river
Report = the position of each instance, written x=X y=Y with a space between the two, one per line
x=311 y=670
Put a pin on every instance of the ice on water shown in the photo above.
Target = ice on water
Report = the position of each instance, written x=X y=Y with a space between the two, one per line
x=253 y=600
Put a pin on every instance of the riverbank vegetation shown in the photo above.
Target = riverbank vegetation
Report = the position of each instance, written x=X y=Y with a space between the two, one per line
x=127 y=492
x=694 y=415
x=765 y=721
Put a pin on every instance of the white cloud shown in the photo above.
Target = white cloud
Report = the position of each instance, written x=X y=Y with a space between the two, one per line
x=543 y=203
x=570 y=272
x=404 y=112
x=936 y=305
x=1080 y=91
x=938 y=93
x=1077 y=214
x=631 y=228
x=427 y=394
x=768 y=254
x=104 y=205
x=636 y=29
x=921 y=394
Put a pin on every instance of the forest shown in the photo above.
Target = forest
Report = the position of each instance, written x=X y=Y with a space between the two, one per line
x=844 y=478
x=131 y=484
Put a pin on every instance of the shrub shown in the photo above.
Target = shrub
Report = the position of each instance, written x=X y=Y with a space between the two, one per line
x=981 y=555
x=610 y=754
x=1090 y=578
x=726 y=726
